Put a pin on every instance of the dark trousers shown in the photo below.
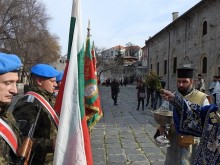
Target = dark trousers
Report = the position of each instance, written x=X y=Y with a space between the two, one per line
x=214 y=98
x=157 y=98
x=114 y=97
x=139 y=101
x=150 y=95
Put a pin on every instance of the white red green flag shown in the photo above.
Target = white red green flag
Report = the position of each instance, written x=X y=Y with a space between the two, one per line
x=73 y=141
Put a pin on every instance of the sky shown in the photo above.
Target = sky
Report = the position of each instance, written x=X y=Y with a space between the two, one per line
x=115 y=22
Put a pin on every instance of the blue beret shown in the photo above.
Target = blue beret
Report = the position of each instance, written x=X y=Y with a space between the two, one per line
x=60 y=76
x=44 y=70
x=9 y=63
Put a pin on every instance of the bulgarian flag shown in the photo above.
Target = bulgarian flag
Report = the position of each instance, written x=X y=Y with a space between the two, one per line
x=73 y=141
x=92 y=99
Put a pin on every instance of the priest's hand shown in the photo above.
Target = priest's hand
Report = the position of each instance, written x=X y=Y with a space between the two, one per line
x=167 y=95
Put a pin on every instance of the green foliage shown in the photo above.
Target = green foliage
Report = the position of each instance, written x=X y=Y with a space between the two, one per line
x=152 y=80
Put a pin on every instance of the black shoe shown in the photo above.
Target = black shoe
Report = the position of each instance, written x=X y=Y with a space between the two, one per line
x=142 y=109
x=137 y=109
x=146 y=105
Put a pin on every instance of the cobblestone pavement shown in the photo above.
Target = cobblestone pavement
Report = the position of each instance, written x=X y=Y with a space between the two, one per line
x=125 y=135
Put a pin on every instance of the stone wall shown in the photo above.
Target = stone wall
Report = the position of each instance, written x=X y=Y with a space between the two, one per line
x=184 y=39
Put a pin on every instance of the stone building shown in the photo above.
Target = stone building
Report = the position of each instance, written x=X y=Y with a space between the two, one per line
x=192 y=39
x=131 y=56
x=60 y=63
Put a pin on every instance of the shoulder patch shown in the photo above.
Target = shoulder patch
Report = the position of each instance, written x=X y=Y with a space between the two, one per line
x=30 y=99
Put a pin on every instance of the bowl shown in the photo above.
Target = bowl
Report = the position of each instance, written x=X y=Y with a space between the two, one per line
x=163 y=116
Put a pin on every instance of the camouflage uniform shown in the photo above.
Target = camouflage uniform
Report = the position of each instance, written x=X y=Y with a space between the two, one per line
x=25 y=113
x=7 y=156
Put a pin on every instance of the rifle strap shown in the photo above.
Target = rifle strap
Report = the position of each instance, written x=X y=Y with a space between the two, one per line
x=47 y=106
x=8 y=135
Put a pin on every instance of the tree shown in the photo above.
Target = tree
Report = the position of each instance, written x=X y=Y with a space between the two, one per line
x=23 y=31
x=132 y=49
x=118 y=57
x=103 y=65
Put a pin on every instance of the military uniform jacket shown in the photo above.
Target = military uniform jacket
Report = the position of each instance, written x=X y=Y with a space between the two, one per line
x=25 y=113
x=7 y=156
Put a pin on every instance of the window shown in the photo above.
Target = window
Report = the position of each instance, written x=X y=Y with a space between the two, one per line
x=151 y=66
x=158 y=68
x=112 y=53
x=204 y=28
x=204 y=65
x=174 y=64
x=165 y=67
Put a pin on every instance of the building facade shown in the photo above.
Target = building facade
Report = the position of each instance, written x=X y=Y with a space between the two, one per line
x=131 y=65
x=192 y=40
x=60 y=63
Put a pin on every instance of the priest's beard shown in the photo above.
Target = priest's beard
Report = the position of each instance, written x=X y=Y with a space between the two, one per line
x=184 y=91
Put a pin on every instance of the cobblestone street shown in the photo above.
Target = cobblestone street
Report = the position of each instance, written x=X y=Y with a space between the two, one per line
x=125 y=135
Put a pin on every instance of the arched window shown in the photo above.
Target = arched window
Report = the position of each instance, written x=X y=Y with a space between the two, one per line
x=204 y=65
x=204 y=28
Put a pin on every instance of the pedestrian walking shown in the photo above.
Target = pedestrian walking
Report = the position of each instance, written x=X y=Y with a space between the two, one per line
x=158 y=97
x=141 y=94
x=10 y=134
x=150 y=96
x=114 y=90
x=40 y=100
x=125 y=81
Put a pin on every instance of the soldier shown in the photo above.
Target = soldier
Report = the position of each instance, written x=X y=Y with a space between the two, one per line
x=58 y=80
x=9 y=133
x=39 y=98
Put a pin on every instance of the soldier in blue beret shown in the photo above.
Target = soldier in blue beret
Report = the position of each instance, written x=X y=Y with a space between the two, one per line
x=58 y=79
x=9 y=142
x=40 y=96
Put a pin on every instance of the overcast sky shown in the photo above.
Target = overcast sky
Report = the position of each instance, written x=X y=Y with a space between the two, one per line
x=115 y=22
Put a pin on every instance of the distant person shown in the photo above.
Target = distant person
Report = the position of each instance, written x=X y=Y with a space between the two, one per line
x=216 y=91
x=141 y=95
x=212 y=84
x=150 y=96
x=200 y=85
x=125 y=82
x=121 y=82
x=114 y=90
x=157 y=94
